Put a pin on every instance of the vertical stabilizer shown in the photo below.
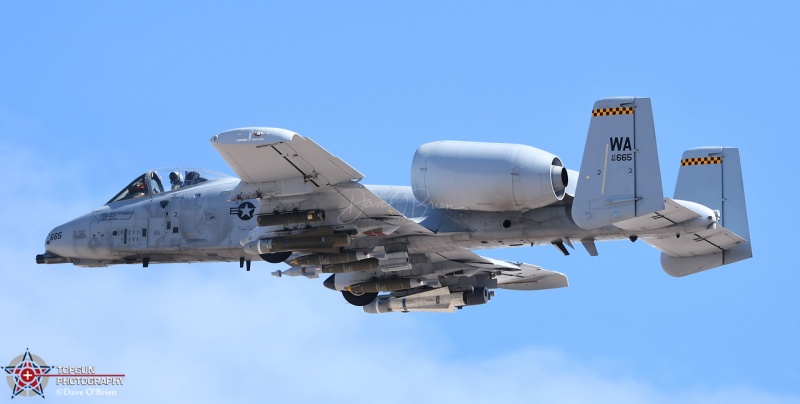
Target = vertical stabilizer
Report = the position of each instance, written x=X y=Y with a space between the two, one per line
x=712 y=176
x=620 y=177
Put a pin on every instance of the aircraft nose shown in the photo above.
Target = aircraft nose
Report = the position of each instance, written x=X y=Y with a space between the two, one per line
x=74 y=242
x=56 y=247
x=56 y=240
x=69 y=238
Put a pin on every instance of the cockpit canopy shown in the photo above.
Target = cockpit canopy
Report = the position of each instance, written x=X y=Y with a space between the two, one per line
x=164 y=180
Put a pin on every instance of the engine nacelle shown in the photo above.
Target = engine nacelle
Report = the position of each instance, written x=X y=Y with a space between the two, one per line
x=496 y=177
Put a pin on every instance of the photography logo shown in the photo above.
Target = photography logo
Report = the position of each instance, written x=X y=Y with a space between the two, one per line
x=25 y=375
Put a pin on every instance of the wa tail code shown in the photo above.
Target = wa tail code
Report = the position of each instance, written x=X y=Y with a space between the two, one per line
x=617 y=143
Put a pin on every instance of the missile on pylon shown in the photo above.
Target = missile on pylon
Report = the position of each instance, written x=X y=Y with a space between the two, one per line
x=307 y=271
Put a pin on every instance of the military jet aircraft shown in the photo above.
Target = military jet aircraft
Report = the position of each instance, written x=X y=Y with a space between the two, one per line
x=409 y=248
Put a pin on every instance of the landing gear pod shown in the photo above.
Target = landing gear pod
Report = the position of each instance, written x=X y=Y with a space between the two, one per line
x=359 y=299
x=276 y=258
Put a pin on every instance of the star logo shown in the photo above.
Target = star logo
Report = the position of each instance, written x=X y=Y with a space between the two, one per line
x=244 y=211
x=26 y=375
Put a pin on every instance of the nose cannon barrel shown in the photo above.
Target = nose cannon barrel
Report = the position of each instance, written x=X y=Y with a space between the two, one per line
x=50 y=258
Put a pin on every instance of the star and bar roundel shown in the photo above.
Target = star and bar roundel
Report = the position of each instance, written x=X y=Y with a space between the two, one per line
x=244 y=211
x=25 y=375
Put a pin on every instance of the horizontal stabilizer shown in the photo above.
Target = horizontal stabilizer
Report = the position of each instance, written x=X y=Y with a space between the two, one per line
x=711 y=177
x=688 y=215
x=702 y=242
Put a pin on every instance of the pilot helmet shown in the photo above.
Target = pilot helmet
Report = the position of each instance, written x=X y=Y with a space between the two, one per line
x=139 y=186
x=175 y=177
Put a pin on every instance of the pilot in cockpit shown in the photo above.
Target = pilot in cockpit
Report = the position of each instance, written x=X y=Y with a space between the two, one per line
x=137 y=190
x=176 y=180
x=194 y=178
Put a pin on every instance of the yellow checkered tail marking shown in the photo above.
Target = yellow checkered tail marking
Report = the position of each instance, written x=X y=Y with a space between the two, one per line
x=612 y=111
x=696 y=161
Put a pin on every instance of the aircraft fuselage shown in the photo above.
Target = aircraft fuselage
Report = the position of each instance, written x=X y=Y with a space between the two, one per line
x=202 y=224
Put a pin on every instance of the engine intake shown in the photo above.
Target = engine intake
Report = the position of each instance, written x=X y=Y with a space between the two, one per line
x=496 y=177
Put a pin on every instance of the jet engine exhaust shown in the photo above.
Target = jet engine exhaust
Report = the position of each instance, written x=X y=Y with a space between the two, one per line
x=560 y=179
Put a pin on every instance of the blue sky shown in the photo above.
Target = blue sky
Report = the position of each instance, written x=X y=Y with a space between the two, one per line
x=93 y=94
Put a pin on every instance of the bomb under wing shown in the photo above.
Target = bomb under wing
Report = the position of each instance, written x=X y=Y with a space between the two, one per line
x=297 y=243
x=330 y=259
x=436 y=300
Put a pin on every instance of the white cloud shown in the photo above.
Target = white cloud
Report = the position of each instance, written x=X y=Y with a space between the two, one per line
x=212 y=332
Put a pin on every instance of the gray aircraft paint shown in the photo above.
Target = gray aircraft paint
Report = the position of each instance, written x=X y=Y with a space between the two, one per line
x=422 y=244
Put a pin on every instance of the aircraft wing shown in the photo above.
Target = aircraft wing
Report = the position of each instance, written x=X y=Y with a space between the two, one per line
x=509 y=275
x=437 y=281
x=531 y=277
x=273 y=156
x=455 y=279
x=287 y=172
